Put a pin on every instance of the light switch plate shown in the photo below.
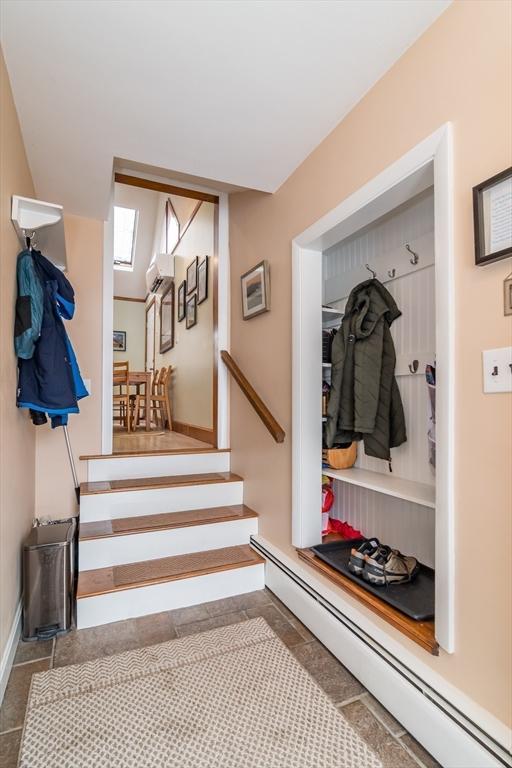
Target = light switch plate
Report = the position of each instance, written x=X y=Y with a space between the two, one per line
x=497 y=369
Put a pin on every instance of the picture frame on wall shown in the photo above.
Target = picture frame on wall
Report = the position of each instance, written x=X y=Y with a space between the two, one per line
x=167 y=319
x=255 y=284
x=492 y=215
x=202 y=280
x=119 y=341
x=192 y=276
x=182 y=297
x=191 y=311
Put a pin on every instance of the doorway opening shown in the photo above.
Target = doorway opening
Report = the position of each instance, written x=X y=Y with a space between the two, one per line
x=164 y=309
x=414 y=507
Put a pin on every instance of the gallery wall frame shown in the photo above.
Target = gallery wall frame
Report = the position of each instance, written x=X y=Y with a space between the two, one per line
x=167 y=319
x=492 y=218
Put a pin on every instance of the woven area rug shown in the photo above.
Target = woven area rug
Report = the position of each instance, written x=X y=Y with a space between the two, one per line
x=233 y=697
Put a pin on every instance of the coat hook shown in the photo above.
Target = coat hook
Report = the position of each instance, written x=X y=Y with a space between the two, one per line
x=415 y=257
x=413 y=367
x=374 y=274
x=391 y=272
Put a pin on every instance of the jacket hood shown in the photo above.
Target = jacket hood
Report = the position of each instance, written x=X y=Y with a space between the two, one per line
x=369 y=302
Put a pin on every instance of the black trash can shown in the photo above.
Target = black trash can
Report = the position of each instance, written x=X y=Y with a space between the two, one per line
x=49 y=580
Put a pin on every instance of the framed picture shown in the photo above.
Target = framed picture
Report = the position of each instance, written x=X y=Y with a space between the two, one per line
x=202 y=280
x=191 y=308
x=192 y=276
x=507 y=295
x=119 y=341
x=492 y=214
x=256 y=290
x=182 y=296
x=167 y=320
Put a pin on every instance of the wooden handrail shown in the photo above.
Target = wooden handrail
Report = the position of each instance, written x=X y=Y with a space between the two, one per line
x=255 y=400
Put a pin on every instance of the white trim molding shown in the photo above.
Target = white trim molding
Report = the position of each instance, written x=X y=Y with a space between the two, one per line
x=430 y=162
x=10 y=650
x=223 y=304
x=450 y=725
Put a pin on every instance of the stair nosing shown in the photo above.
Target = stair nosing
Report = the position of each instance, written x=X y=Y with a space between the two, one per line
x=248 y=514
x=163 y=452
x=214 y=477
x=253 y=558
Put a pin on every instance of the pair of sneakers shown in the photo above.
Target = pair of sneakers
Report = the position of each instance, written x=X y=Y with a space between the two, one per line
x=380 y=565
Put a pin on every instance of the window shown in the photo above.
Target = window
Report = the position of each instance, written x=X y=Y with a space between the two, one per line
x=125 y=231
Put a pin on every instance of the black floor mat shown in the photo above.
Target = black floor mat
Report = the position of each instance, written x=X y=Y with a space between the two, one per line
x=415 y=598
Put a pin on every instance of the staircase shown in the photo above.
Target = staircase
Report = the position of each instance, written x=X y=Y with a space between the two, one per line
x=162 y=531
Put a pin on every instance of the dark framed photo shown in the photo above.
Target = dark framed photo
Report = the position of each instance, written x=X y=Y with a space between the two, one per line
x=191 y=308
x=202 y=280
x=192 y=276
x=256 y=290
x=119 y=341
x=182 y=297
x=167 y=320
x=492 y=214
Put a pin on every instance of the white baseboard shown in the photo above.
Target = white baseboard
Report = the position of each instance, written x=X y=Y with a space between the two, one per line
x=450 y=736
x=10 y=650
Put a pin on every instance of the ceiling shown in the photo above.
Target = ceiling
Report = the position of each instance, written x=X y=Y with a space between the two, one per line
x=235 y=92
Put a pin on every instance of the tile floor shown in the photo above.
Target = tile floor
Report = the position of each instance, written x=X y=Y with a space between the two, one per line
x=395 y=747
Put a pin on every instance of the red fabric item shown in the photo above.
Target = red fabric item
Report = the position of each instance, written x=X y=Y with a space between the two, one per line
x=346 y=530
x=327 y=498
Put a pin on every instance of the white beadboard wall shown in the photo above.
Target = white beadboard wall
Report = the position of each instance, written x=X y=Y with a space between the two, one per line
x=410 y=527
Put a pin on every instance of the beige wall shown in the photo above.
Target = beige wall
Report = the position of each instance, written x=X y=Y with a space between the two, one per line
x=17 y=435
x=460 y=70
x=130 y=316
x=192 y=355
x=54 y=486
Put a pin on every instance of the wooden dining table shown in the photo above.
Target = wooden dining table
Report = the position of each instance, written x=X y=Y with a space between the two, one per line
x=136 y=379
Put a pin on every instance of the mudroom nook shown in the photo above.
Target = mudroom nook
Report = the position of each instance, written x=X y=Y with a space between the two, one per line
x=392 y=235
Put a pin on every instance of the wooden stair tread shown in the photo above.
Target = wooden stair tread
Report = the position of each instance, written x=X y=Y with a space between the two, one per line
x=148 y=483
x=421 y=632
x=132 y=575
x=142 y=454
x=145 y=523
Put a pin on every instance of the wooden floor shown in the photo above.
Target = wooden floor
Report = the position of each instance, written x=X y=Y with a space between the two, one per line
x=147 y=442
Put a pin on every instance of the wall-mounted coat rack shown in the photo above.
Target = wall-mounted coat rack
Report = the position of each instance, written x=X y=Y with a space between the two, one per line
x=44 y=222
x=397 y=262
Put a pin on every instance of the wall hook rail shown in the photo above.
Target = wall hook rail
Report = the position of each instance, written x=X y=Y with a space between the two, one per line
x=373 y=272
x=391 y=272
x=415 y=257
x=413 y=367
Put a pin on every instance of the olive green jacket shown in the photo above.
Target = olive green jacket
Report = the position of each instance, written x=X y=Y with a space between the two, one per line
x=365 y=402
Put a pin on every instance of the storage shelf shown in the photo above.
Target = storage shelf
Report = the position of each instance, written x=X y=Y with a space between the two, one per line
x=418 y=493
x=326 y=365
x=329 y=313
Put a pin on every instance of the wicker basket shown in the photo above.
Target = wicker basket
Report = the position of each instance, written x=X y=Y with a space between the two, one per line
x=340 y=458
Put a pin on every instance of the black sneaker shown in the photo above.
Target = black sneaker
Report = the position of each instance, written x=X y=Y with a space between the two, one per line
x=358 y=556
x=388 y=566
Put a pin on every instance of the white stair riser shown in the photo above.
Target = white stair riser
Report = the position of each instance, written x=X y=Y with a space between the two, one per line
x=135 y=547
x=120 y=468
x=154 y=501
x=142 y=601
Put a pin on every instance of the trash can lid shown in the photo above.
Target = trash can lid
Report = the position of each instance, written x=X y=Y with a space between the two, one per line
x=46 y=535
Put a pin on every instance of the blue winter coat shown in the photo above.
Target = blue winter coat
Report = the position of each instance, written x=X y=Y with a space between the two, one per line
x=49 y=379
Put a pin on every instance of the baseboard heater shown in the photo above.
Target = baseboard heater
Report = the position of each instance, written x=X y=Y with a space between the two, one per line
x=464 y=744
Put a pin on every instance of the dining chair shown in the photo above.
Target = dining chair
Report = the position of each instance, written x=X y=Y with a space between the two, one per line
x=121 y=393
x=160 y=398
